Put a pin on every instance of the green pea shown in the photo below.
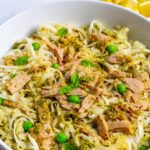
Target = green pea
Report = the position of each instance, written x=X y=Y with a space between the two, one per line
x=86 y=63
x=21 y=60
x=75 y=80
x=1 y=101
x=55 y=66
x=111 y=48
x=121 y=88
x=74 y=99
x=36 y=46
x=143 y=147
x=62 y=31
x=27 y=125
x=70 y=147
x=62 y=138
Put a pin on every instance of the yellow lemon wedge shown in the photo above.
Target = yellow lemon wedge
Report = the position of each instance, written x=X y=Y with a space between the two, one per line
x=140 y=6
x=144 y=8
x=131 y=4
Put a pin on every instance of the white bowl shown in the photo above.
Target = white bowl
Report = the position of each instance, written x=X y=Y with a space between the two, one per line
x=76 y=11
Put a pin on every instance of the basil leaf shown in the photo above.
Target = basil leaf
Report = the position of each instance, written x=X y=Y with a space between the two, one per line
x=144 y=147
x=70 y=147
x=75 y=80
x=36 y=46
x=86 y=63
x=62 y=31
x=13 y=75
x=66 y=89
x=21 y=60
x=1 y=101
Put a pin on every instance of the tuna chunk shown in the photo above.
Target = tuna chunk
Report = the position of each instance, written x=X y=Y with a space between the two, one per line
x=65 y=104
x=103 y=129
x=58 y=52
x=120 y=126
x=144 y=77
x=134 y=85
x=132 y=97
x=50 y=91
x=115 y=59
x=17 y=83
x=78 y=91
x=118 y=74
x=73 y=69
x=101 y=38
x=143 y=105
x=87 y=102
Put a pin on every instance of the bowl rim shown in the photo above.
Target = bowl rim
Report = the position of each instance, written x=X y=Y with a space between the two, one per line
x=42 y=4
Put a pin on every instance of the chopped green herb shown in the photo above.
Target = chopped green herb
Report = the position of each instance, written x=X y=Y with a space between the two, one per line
x=149 y=141
x=36 y=46
x=85 y=79
x=21 y=60
x=17 y=44
x=55 y=66
x=86 y=63
x=62 y=31
x=144 y=147
x=1 y=101
x=75 y=80
x=70 y=147
x=66 y=89
x=13 y=75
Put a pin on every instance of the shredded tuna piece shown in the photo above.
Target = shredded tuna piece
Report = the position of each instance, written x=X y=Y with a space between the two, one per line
x=102 y=38
x=144 y=77
x=50 y=91
x=87 y=102
x=143 y=105
x=134 y=85
x=118 y=74
x=93 y=83
x=73 y=69
x=78 y=91
x=65 y=104
x=120 y=126
x=17 y=83
x=116 y=59
x=103 y=129
x=132 y=97
x=58 y=52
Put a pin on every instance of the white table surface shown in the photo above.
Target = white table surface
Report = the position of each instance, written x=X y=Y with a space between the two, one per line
x=9 y=8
